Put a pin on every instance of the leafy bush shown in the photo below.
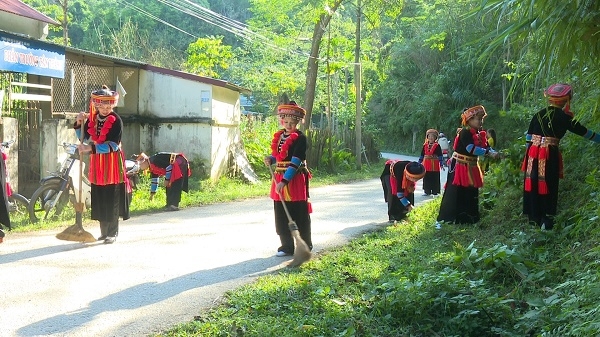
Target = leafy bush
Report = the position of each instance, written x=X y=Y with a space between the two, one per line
x=256 y=137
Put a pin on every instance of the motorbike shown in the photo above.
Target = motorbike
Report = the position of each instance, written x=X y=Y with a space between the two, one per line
x=59 y=188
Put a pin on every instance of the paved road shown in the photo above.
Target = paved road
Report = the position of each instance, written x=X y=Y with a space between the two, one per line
x=166 y=267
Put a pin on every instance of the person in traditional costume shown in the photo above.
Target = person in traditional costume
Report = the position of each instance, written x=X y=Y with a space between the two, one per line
x=288 y=153
x=4 y=194
x=460 y=202
x=100 y=131
x=432 y=158
x=542 y=164
x=398 y=179
x=176 y=170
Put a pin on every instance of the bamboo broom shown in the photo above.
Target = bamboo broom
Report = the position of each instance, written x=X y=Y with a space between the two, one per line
x=301 y=251
x=76 y=232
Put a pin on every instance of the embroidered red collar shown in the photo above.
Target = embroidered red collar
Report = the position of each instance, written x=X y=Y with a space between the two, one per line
x=281 y=155
x=479 y=137
x=100 y=137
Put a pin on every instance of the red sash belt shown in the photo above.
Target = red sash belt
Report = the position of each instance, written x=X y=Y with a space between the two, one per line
x=539 y=150
x=466 y=171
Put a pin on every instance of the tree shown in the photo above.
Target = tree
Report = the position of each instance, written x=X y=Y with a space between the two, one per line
x=561 y=35
x=208 y=57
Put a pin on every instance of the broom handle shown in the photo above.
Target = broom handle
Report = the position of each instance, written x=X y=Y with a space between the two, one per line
x=81 y=167
x=280 y=196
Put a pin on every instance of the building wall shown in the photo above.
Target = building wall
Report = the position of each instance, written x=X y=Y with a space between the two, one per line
x=19 y=24
x=55 y=132
x=225 y=132
x=169 y=96
x=197 y=119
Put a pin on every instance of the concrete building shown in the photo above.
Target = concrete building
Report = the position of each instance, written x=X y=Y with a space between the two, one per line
x=162 y=110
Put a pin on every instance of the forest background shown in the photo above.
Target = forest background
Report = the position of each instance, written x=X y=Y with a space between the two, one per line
x=417 y=64
x=386 y=71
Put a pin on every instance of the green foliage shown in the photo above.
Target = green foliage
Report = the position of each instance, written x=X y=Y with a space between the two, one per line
x=342 y=160
x=419 y=70
x=208 y=57
x=546 y=29
x=257 y=136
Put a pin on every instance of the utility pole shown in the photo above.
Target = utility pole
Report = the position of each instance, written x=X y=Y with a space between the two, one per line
x=358 y=87
x=329 y=112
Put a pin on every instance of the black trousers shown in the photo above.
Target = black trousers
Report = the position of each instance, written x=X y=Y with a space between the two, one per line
x=174 y=192
x=299 y=213
x=108 y=203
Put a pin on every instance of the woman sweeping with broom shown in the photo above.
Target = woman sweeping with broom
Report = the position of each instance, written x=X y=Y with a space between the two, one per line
x=102 y=130
x=289 y=189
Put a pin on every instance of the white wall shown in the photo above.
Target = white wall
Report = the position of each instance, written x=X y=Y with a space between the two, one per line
x=192 y=139
x=169 y=96
x=225 y=132
x=19 y=24
x=54 y=133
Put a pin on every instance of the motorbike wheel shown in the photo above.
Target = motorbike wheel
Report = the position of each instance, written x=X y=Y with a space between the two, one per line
x=39 y=206
x=18 y=204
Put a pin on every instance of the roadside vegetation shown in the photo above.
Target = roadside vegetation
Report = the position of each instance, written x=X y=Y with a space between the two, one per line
x=500 y=277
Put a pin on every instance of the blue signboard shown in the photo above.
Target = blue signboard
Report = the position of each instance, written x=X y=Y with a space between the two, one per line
x=31 y=56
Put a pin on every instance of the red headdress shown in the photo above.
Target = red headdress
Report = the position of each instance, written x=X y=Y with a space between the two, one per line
x=559 y=95
x=469 y=113
x=291 y=110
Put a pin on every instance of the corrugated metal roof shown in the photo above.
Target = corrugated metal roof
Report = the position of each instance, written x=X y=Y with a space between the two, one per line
x=197 y=78
x=176 y=73
x=19 y=8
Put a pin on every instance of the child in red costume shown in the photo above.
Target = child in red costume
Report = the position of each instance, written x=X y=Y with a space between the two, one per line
x=288 y=153
x=433 y=160
x=398 y=179
x=174 y=167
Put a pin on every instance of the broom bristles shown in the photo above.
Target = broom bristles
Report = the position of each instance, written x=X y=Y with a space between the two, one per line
x=76 y=233
x=301 y=252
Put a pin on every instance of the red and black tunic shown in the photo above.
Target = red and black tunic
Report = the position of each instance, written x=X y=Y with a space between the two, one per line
x=431 y=158
x=542 y=164
x=288 y=152
x=107 y=173
x=460 y=203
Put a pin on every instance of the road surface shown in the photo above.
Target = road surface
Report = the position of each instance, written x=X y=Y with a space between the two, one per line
x=165 y=267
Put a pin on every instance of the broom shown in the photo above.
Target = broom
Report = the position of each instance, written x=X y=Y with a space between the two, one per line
x=76 y=232
x=301 y=251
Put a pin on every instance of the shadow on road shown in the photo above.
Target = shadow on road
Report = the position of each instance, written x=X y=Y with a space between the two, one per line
x=142 y=295
x=32 y=253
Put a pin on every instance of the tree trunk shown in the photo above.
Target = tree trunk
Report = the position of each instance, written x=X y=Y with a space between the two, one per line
x=313 y=62
x=358 y=87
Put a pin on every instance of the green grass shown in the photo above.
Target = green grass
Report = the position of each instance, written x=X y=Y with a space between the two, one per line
x=401 y=281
